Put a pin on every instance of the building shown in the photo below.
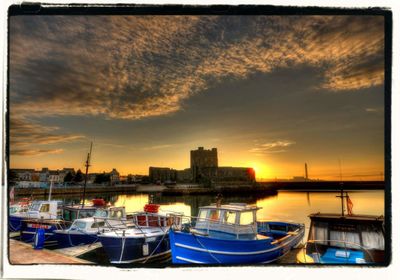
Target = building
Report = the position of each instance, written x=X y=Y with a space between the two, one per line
x=114 y=176
x=162 y=174
x=236 y=174
x=44 y=175
x=203 y=164
x=24 y=174
x=184 y=176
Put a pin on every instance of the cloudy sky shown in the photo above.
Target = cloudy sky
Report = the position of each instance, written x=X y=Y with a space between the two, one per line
x=270 y=92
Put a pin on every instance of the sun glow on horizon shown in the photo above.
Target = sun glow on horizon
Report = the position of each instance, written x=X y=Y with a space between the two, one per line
x=262 y=171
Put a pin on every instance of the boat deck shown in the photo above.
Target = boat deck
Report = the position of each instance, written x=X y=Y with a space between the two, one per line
x=23 y=253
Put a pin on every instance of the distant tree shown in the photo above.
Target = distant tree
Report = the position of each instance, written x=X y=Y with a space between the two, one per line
x=69 y=177
x=12 y=177
x=102 y=178
x=79 y=177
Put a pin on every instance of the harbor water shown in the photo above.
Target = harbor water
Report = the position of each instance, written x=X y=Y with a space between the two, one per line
x=291 y=206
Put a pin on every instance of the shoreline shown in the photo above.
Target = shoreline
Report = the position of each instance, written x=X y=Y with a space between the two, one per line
x=266 y=188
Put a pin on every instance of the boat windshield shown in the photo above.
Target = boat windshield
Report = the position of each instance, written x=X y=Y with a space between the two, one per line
x=247 y=218
x=229 y=217
x=35 y=206
x=14 y=209
x=101 y=213
x=79 y=225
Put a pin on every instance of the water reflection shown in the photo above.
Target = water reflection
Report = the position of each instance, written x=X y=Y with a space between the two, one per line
x=286 y=205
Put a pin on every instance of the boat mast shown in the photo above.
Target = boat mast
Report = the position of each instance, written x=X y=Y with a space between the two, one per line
x=87 y=164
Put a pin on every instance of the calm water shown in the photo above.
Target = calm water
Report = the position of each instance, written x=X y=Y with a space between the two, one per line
x=285 y=206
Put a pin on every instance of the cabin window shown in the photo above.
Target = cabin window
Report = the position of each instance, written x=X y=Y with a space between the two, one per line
x=45 y=208
x=35 y=207
x=319 y=232
x=350 y=239
x=202 y=215
x=117 y=214
x=247 y=218
x=214 y=215
x=372 y=238
x=229 y=217
x=101 y=213
x=97 y=224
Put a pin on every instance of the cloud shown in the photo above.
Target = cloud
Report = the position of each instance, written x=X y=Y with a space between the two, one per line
x=272 y=147
x=133 y=67
x=157 y=147
x=25 y=134
x=34 y=152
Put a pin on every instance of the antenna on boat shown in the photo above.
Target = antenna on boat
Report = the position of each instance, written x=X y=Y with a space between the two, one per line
x=87 y=164
x=341 y=187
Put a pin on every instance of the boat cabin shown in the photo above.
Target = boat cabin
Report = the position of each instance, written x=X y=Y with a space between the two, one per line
x=71 y=213
x=234 y=220
x=44 y=209
x=333 y=237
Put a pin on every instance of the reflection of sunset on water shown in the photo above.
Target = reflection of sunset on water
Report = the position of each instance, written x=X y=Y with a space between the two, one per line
x=137 y=202
x=296 y=206
x=177 y=207
x=132 y=203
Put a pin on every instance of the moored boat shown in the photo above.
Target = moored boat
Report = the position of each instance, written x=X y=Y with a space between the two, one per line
x=230 y=234
x=38 y=209
x=147 y=240
x=85 y=230
x=30 y=226
x=344 y=238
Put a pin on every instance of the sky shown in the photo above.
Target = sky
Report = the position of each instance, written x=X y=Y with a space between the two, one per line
x=269 y=92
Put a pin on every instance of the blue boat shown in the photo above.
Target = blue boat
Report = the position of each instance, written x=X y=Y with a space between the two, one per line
x=230 y=234
x=30 y=226
x=39 y=209
x=344 y=238
x=146 y=241
x=85 y=230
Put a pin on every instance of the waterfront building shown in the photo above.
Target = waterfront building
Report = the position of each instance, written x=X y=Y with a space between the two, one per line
x=44 y=175
x=114 y=176
x=162 y=174
x=24 y=174
x=184 y=176
x=203 y=164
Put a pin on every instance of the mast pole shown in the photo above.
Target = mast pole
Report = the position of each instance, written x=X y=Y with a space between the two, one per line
x=87 y=164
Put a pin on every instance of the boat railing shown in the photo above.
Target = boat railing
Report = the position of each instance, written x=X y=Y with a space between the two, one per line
x=172 y=220
x=348 y=245
x=194 y=223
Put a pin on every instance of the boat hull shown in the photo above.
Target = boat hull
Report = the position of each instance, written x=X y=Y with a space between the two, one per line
x=121 y=250
x=14 y=223
x=67 y=238
x=188 y=248
x=29 y=229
